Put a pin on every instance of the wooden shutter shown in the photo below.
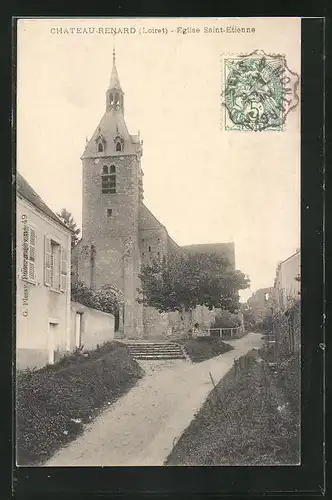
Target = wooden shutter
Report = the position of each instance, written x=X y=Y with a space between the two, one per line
x=32 y=255
x=63 y=268
x=47 y=262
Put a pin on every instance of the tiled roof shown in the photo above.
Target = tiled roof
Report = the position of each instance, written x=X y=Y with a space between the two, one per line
x=149 y=221
x=24 y=189
x=294 y=255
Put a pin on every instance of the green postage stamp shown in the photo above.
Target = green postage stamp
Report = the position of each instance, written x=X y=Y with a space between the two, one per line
x=258 y=92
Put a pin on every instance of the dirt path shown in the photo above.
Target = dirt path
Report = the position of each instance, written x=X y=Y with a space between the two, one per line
x=142 y=427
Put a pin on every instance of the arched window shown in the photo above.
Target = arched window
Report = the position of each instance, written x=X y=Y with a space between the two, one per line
x=118 y=146
x=117 y=99
x=111 y=100
x=108 y=179
x=100 y=147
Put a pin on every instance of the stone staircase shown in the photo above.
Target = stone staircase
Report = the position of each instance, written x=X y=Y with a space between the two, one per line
x=155 y=350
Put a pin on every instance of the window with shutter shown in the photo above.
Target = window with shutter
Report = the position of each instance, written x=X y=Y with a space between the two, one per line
x=64 y=269
x=48 y=262
x=55 y=265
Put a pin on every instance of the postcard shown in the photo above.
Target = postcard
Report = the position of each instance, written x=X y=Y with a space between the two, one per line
x=158 y=272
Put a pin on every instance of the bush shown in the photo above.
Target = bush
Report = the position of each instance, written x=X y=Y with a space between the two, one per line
x=226 y=319
x=203 y=348
x=82 y=294
x=54 y=402
x=106 y=299
x=251 y=418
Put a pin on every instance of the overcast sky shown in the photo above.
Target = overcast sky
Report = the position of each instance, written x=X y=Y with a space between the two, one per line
x=204 y=183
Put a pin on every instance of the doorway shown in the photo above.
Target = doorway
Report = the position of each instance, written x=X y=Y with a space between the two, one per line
x=116 y=320
x=78 y=330
x=52 y=331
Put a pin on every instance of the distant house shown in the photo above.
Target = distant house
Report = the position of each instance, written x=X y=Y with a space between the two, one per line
x=287 y=281
x=287 y=303
x=43 y=281
x=261 y=303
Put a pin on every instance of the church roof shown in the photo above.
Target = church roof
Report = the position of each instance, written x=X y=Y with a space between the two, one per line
x=24 y=189
x=111 y=125
x=149 y=221
x=114 y=82
x=135 y=139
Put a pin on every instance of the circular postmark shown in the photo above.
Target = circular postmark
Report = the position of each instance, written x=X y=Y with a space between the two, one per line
x=259 y=91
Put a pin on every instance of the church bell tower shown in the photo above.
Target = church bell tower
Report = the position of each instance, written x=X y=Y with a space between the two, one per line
x=112 y=191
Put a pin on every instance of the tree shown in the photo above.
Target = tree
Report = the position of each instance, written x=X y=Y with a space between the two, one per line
x=181 y=283
x=226 y=319
x=83 y=294
x=106 y=299
x=249 y=318
x=67 y=218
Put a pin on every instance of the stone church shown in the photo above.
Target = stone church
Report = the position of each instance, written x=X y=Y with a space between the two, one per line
x=119 y=233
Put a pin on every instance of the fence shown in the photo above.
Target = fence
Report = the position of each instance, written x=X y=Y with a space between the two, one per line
x=287 y=330
x=223 y=333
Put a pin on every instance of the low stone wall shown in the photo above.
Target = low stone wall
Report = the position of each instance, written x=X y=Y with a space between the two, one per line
x=96 y=327
x=155 y=324
x=174 y=323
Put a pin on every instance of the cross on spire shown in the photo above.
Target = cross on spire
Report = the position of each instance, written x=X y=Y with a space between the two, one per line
x=114 y=82
x=114 y=93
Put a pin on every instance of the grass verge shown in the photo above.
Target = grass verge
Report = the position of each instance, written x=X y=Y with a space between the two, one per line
x=249 y=419
x=203 y=348
x=54 y=402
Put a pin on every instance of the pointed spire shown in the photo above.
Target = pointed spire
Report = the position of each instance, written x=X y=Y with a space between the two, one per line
x=114 y=82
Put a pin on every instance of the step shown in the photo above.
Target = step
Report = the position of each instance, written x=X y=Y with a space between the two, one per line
x=166 y=346
x=137 y=348
x=158 y=356
x=138 y=351
x=151 y=344
x=155 y=350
